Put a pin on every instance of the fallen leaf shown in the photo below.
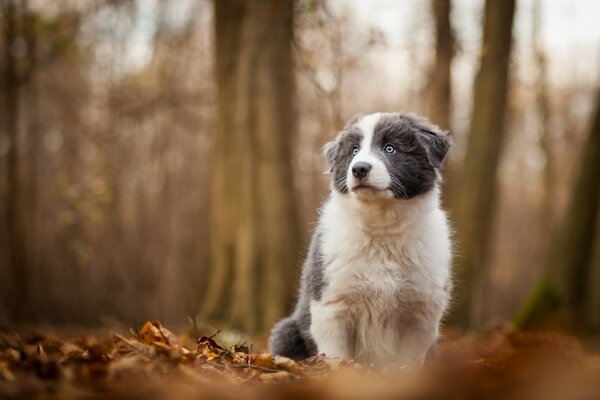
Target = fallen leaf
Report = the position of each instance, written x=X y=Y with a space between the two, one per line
x=41 y=352
x=150 y=334
x=264 y=360
x=287 y=364
x=5 y=372
x=279 y=376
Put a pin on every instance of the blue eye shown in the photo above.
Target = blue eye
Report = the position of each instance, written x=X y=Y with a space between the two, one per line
x=354 y=151
x=389 y=149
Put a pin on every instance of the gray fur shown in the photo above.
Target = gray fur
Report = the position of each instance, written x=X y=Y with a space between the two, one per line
x=339 y=155
x=291 y=340
x=291 y=336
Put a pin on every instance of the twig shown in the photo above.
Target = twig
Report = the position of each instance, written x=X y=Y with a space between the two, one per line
x=257 y=367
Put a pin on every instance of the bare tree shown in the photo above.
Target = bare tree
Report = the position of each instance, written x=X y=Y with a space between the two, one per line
x=439 y=90
x=254 y=230
x=592 y=320
x=14 y=211
x=572 y=265
x=573 y=249
x=543 y=107
x=474 y=201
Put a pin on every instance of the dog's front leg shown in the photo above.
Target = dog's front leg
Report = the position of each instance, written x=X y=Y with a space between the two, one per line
x=332 y=330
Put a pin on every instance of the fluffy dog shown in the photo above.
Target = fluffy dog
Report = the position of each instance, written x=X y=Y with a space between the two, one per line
x=376 y=280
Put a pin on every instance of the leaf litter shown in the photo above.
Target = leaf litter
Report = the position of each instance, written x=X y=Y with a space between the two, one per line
x=153 y=363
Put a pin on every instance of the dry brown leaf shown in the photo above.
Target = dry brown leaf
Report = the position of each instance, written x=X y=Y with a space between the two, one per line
x=264 y=360
x=287 y=364
x=279 y=376
x=68 y=347
x=157 y=366
x=170 y=337
x=239 y=358
x=149 y=334
x=41 y=352
x=5 y=372
x=126 y=346
x=12 y=355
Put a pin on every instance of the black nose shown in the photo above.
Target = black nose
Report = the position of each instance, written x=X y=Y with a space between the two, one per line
x=361 y=169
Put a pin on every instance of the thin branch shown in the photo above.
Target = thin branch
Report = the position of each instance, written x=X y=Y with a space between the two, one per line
x=251 y=366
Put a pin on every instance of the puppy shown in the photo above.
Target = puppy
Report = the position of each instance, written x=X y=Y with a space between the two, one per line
x=376 y=281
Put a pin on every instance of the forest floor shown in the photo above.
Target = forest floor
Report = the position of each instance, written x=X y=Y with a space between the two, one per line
x=153 y=363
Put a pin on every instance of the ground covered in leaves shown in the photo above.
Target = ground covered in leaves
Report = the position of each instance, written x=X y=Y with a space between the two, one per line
x=153 y=363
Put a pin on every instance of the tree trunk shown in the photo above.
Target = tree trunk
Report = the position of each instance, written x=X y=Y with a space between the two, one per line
x=32 y=99
x=439 y=90
x=474 y=201
x=572 y=265
x=573 y=251
x=14 y=212
x=543 y=108
x=254 y=229
x=592 y=321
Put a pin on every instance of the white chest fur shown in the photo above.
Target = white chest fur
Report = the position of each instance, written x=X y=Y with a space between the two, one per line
x=386 y=267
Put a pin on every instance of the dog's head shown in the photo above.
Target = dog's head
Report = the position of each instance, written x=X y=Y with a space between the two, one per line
x=387 y=155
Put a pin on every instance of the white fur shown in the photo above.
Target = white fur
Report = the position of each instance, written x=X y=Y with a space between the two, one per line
x=378 y=177
x=387 y=266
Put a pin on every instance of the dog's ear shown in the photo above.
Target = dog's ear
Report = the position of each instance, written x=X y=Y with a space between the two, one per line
x=329 y=151
x=436 y=142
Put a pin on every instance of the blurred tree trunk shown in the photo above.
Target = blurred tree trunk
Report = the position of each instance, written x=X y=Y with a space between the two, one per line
x=571 y=278
x=543 y=107
x=254 y=229
x=15 y=217
x=439 y=90
x=32 y=99
x=592 y=321
x=439 y=87
x=474 y=200
x=573 y=250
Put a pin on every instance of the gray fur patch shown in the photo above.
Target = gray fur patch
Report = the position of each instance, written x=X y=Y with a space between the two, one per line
x=291 y=336
x=339 y=155
x=313 y=274
x=409 y=165
x=288 y=340
x=436 y=142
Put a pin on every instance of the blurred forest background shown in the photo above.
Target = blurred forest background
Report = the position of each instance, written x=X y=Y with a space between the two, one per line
x=161 y=160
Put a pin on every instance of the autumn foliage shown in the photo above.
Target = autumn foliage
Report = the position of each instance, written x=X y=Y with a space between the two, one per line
x=152 y=362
